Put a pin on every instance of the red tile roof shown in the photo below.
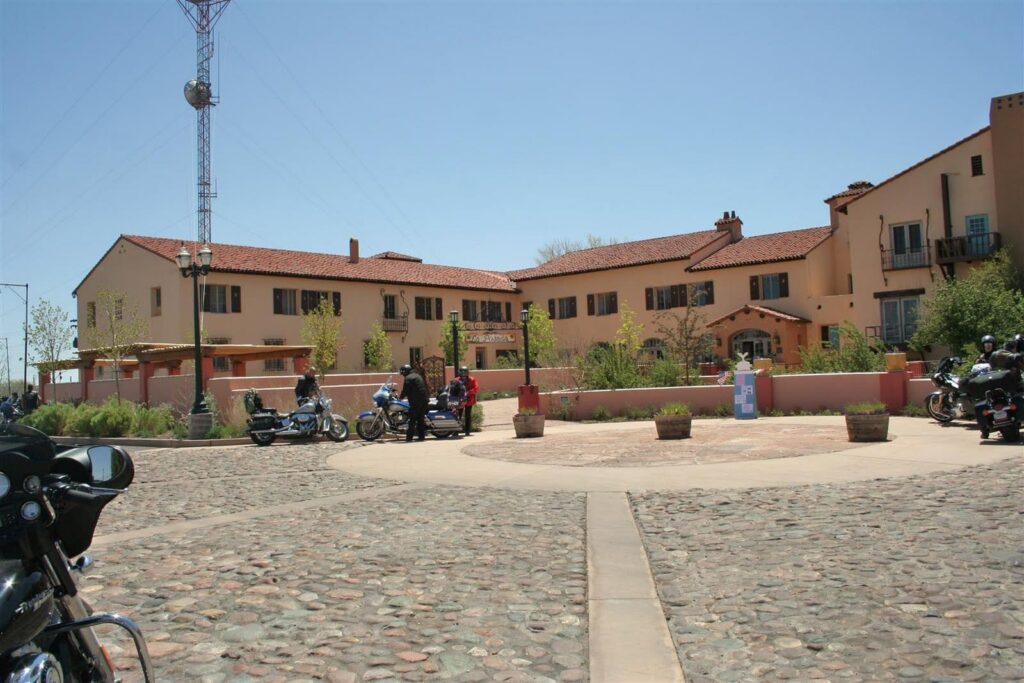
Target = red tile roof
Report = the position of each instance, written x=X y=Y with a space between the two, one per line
x=640 y=252
x=747 y=308
x=852 y=190
x=779 y=246
x=395 y=256
x=231 y=258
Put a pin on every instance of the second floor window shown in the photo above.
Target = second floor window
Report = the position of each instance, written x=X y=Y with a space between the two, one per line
x=390 y=311
x=155 y=302
x=703 y=293
x=564 y=307
x=215 y=298
x=490 y=311
x=605 y=303
x=310 y=299
x=773 y=286
x=469 y=311
x=284 y=302
x=907 y=246
x=429 y=308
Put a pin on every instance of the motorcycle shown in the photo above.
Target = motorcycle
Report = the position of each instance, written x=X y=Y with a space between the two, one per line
x=50 y=502
x=955 y=398
x=391 y=414
x=312 y=417
x=1002 y=409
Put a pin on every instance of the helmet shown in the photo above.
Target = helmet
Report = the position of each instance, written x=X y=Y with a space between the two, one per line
x=310 y=371
x=1018 y=342
x=988 y=339
x=463 y=371
x=405 y=370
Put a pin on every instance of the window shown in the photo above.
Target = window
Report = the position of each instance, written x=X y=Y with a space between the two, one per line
x=703 y=293
x=90 y=314
x=652 y=349
x=663 y=298
x=564 y=307
x=976 y=167
x=215 y=298
x=154 y=301
x=469 y=311
x=309 y=300
x=977 y=235
x=273 y=364
x=606 y=303
x=415 y=354
x=429 y=308
x=390 y=312
x=119 y=308
x=220 y=363
x=284 y=302
x=490 y=311
x=772 y=286
x=899 y=319
x=526 y=305
x=830 y=336
x=907 y=246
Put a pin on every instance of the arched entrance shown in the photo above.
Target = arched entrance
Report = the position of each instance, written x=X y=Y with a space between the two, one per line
x=752 y=343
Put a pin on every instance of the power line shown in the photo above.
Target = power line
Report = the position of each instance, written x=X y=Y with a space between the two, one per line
x=81 y=96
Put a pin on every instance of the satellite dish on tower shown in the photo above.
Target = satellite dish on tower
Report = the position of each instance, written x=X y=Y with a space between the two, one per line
x=197 y=93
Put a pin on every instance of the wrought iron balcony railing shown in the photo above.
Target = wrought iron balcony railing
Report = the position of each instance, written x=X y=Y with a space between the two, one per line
x=967 y=248
x=399 y=324
x=908 y=257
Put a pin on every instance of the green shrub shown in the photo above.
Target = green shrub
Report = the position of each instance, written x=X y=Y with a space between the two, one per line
x=775 y=412
x=114 y=418
x=80 y=422
x=180 y=429
x=51 y=418
x=723 y=410
x=150 y=422
x=675 y=409
x=855 y=354
x=827 y=411
x=219 y=431
x=608 y=367
x=866 y=408
x=638 y=412
x=601 y=414
x=476 y=423
x=664 y=373
x=912 y=410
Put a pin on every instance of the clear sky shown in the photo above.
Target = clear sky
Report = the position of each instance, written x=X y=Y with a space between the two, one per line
x=469 y=133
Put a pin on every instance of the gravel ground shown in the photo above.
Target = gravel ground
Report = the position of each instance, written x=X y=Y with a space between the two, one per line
x=904 y=579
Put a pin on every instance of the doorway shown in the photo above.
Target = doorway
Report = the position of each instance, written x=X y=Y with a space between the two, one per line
x=752 y=344
x=481 y=353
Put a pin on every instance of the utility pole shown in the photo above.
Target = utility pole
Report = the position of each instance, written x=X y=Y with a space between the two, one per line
x=24 y=378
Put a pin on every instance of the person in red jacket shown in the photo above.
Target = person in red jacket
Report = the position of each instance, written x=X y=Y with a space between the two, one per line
x=469 y=382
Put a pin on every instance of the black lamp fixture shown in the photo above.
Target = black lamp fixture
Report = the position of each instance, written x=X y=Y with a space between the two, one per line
x=524 y=316
x=453 y=318
x=194 y=270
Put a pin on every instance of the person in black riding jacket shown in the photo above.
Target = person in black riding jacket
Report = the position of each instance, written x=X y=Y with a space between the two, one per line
x=306 y=386
x=414 y=389
x=988 y=345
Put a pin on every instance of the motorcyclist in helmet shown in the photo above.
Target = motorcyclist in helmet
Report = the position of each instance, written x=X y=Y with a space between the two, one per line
x=470 y=385
x=306 y=386
x=415 y=390
x=988 y=345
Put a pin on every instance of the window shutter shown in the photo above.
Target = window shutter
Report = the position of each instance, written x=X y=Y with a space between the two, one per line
x=572 y=307
x=204 y=294
x=683 y=294
x=278 y=305
x=709 y=290
x=419 y=308
x=508 y=311
x=673 y=296
x=465 y=310
x=236 y=299
x=551 y=308
x=783 y=284
x=825 y=338
x=483 y=311
x=336 y=297
x=754 y=288
x=614 y=302
x=590 y=304
x=649 y=298
x=438 y=308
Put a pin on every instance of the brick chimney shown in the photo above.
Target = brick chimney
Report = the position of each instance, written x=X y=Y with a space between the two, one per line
x=353 y=250
x=730 y=223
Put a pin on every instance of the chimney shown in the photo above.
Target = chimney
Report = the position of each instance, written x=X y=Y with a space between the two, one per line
x=730 y=223
x=353 y=250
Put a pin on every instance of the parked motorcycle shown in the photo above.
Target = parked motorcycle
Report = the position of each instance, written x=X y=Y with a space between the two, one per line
x=955 y=398
x=50 y=502
x=391 y=415
x=1002 y=410
x=312 y=417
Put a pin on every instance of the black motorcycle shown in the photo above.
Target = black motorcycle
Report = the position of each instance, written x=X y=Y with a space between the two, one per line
x=956 y=396
x=1002 y=410
x=50 y=503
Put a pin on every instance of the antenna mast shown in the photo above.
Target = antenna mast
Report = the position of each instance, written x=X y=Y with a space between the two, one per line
x=203 y=14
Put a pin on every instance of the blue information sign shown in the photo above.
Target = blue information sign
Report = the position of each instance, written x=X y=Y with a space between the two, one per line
x=744 y=396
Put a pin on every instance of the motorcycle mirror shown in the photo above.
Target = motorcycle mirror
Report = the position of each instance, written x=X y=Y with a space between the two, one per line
x=111 y=466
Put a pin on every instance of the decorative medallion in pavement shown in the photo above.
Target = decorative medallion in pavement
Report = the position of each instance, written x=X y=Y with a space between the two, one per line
x=713 y=441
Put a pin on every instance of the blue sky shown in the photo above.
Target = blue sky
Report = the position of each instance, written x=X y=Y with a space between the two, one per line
x=469 y=133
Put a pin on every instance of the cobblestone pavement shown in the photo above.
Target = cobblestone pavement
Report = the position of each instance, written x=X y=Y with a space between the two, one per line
x=905 y=579
x=422 y=584
x=712 y=441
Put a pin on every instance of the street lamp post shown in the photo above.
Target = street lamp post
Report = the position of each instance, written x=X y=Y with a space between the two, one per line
x=194 y=270
x=524 y=315
x=453 y=318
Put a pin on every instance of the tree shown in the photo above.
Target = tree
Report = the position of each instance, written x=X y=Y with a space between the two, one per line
x=321 y=329
x=987 y=301
x=445 y=345
x=855 y=354
x=556 y=248
x=543 y=343
x=118 y=330
x=49 y=334
x=685 y=336
x=377 y=350
x=630 y=334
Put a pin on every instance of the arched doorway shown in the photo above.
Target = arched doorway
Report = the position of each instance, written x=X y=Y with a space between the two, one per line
x=752 y=343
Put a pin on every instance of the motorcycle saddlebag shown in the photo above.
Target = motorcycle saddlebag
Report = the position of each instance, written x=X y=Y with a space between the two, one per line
x=1006 y=380
x=262 y=421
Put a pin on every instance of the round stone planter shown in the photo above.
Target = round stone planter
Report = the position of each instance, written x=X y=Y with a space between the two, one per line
x=528 y=426
x=895 y=362
x=672 y=426
x=867 y=427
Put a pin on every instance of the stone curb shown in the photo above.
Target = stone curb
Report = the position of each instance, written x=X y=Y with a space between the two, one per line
x=152 y=443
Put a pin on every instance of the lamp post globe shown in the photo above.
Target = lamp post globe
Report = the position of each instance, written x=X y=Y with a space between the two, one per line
x=195 y=269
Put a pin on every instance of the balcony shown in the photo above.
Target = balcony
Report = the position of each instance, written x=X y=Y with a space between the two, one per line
x=400 y=324
x=891 y=334
x=908 y=257
x=969 y=248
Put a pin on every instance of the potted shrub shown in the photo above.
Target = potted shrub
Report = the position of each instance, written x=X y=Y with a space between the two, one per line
x=528 y=423
x=673 y=421
x=867 y=421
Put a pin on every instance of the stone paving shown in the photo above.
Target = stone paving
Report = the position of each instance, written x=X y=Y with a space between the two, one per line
x=918 y=578
x=712 y=441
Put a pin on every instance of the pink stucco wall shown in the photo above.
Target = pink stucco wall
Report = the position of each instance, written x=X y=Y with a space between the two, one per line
x=176 y=391
x=102 y=389
x=64 y=391
x=831 y=391
x=918 y=390
x=582 y=403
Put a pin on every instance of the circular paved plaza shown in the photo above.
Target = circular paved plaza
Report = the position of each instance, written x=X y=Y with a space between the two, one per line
x=438 y=561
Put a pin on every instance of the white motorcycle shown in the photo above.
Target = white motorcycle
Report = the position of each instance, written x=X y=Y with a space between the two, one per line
x=312 y=417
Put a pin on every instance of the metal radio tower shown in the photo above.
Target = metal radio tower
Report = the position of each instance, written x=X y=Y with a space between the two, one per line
x=203 y=14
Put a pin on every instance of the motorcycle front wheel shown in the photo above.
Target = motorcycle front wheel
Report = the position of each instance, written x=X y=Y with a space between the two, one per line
x=938 y=407
x=338 y=431
x=370 y=431
x=1011 y=434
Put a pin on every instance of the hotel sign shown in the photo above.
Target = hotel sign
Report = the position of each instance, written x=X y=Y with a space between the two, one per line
x=491 y=338
x=491 y=325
